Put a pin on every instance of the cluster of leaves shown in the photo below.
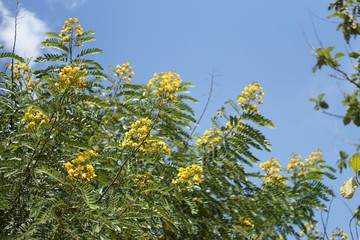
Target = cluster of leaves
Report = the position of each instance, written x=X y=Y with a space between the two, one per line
x=348 y=12
x=130 y=194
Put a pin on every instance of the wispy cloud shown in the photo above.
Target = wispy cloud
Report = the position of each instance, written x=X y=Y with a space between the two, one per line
x=30 y=32
x=70 y=4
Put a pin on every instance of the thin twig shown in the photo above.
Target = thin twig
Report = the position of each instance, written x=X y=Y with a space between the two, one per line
x=331 y=114
x=307 y=40
x=17 y=10
x=206 y=104
x=351 y=233
x=316 y=32
x=325 y=224
x=347 y=77
x=320 y=18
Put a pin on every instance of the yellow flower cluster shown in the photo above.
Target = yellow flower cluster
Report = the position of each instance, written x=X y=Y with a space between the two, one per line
x=71 y=29
x=315 y=158
x=190 y=175
x=245 y=223
x=340 y=234
x=76 y=169
x=166 y=85
x=23 y=72
x=213 y=135
x=72 y=76
x=210 y=137
x=299 y=168
x=311 y=232
x=34 y=117
x=124 y=71
x=139 y=131
x=252 y=93
x=144 y=180
x=272 y=168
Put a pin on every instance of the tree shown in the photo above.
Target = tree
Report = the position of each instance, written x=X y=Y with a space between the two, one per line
x=84 y=154
x=348 y=12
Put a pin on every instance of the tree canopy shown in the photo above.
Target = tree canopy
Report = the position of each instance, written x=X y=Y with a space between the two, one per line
x=88 y=154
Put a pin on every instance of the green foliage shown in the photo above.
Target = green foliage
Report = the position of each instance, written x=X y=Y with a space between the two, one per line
x=11 y=55
x=347 y=12
x=84 y=155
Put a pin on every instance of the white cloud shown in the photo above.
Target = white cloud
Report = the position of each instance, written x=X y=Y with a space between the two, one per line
x=30 y=32
x=70 y=4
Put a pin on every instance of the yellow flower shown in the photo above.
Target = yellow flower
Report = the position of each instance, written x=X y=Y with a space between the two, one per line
x=72 y=77
x=190 y=175
x=34 y=117
x=71 y=30
x=144 y=180
x=272 y=168
x=22 y=73
x=246 y=223
x=78 y=171
x=139 y=132
x=124 y=72
x=252 y=93
x=166 y=85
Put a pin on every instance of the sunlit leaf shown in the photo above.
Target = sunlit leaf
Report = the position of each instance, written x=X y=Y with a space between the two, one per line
x=355 y=163
x=348 y=188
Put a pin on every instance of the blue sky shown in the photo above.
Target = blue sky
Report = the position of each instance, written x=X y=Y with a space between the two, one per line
x=241 y=41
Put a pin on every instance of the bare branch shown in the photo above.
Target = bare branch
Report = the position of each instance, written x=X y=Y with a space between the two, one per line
x=206 y=104
x=17 y=10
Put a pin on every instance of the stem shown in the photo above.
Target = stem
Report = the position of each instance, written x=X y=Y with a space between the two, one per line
x=346 y=76
x=206 y=104
x=17 y=10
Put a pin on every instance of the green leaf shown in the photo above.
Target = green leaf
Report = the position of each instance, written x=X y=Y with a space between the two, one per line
x=51 y=173
x=355 y=163
x=89 y=51
x=320 y=97
x=89 y=196
x=343 y=155
x=6 y=90
x=82 y=40
x=348 y=188
x=323 y=104
x=55 y=43
x=11 y=55
x=339 y=55
x=51 y=57
x=354 y=55
x=53 y=35
x=346 y=120
x=91 y=62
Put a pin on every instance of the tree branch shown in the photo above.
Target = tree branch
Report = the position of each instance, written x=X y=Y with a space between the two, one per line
x=206 y=104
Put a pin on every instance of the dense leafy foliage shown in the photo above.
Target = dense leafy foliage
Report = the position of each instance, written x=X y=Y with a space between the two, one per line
x=86 y=155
